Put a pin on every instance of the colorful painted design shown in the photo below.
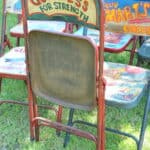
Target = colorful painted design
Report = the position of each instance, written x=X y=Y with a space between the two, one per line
x=13 y=62
x=131 y=16
x=85 y=11
x=13 y=6
x=115 y=41
x=122 y=80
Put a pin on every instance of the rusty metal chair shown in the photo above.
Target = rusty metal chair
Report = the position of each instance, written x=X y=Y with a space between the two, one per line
x=66 y=69
x=12 y=63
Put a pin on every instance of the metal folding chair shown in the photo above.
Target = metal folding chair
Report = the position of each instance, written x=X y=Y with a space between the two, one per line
x=125 y=85
x=65 y=69
x=143 y=52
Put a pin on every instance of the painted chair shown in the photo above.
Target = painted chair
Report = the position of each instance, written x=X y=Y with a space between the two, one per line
x=114 y=42
x=63 y=67
x=14 y=7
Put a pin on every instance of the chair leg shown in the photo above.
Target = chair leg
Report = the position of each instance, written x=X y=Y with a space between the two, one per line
x=135 y=40
x=0 y=84
x=70 y=123
x=18 y=41
x=144 y=121
x=59 y=118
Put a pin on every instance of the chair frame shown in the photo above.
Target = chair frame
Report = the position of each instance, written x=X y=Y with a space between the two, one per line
x=33 y=114
x=18 y=76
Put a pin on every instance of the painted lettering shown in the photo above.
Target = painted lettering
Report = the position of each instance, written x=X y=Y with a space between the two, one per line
x=85 y=6
x=37 y=2
x=46 y=7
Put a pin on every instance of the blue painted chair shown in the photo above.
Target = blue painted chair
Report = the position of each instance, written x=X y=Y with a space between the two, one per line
x=125 y=87
x=114 y=42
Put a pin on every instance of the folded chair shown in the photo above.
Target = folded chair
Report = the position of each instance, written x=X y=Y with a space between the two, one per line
x=63 y=68
x=12 y=63
x=126 y=85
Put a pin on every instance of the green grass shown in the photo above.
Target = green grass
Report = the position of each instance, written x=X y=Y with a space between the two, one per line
x=14 y=122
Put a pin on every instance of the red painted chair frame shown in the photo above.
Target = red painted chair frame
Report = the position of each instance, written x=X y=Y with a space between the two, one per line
x=35 y=120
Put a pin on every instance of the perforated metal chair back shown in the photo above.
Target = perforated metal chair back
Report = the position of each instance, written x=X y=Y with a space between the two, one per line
x=63 y=69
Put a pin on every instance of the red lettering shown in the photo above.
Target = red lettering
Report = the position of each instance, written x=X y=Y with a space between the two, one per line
x=37 y=2
x=78 y=3
x=70 y=1
x=85 y=5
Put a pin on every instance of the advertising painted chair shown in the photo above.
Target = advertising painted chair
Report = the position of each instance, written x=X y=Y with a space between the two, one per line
x=125 y=84
x=65 y=69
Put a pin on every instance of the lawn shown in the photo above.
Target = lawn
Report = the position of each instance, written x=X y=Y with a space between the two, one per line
x=14 y=123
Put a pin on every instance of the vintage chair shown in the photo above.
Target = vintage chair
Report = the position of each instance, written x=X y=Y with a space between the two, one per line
x=63 y=68
x=125 y=84
x=14 y=7
x=114 y=42
x=125 y=87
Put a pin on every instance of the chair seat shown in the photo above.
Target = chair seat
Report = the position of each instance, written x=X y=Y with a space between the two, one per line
x=114 y=42
x=13 y=62
x=121 y=81
x=144 y=50
x=17 y=30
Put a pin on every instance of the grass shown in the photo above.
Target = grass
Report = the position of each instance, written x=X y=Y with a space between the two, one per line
x=14 y=123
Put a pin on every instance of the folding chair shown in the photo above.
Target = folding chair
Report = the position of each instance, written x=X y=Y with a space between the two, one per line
x=14 y=7
x=114 y=42
x=125 y=84
x=63 y=68
x=13 y=62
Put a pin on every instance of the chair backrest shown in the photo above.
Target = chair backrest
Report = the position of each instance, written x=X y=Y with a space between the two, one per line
x=63 y=67
x=66 y=72
x=131 y=16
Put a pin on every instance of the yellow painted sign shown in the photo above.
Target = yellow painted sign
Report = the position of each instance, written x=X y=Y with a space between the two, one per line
x=83 y=10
